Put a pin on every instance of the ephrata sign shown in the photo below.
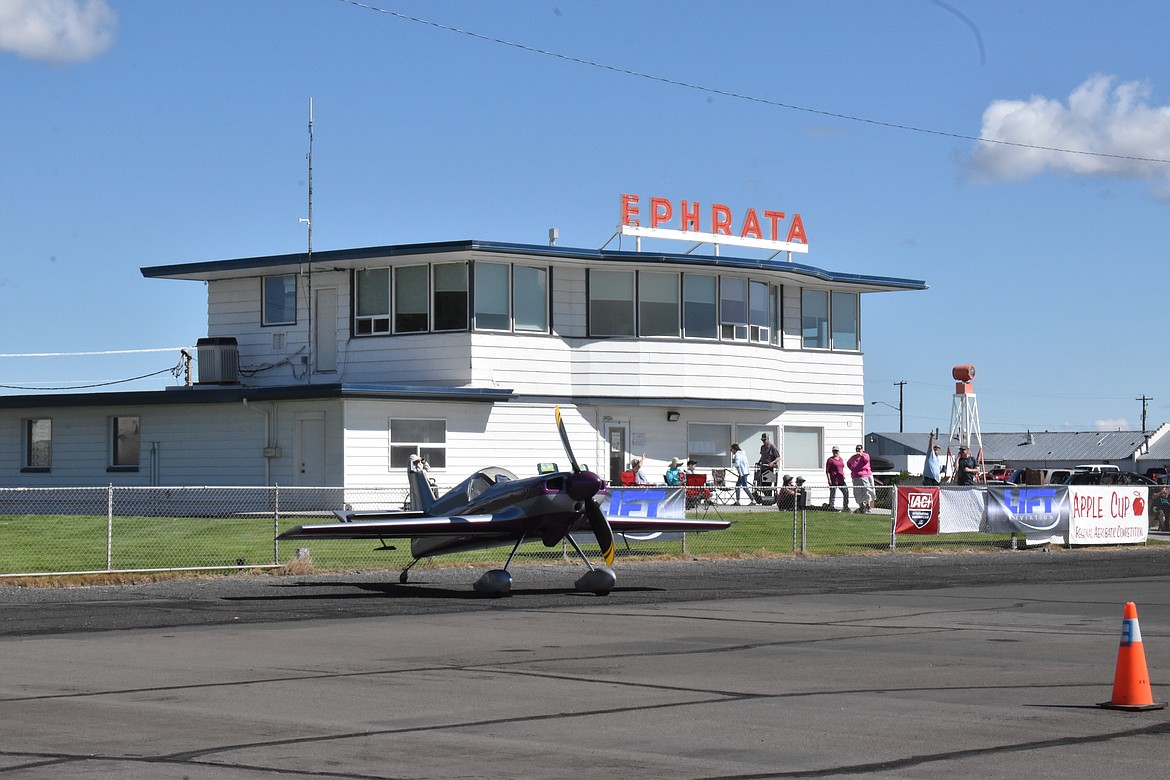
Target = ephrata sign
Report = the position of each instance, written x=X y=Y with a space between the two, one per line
x=718 y=228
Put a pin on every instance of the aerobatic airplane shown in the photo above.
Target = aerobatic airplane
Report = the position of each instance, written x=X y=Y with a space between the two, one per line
x=494 y=508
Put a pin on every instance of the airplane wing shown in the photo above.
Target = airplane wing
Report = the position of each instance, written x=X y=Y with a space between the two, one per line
x=409 y=527
x=633 y=525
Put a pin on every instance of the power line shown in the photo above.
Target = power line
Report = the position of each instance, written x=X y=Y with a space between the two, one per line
x=741 y=96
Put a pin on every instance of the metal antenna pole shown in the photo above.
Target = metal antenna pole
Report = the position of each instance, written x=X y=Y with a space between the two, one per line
x=309 y=277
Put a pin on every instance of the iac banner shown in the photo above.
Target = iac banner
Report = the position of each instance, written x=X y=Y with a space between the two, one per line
x=1032 y=510
x=917 y=511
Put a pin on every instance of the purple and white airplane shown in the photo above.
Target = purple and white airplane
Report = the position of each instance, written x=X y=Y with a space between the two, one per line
x=493 y=508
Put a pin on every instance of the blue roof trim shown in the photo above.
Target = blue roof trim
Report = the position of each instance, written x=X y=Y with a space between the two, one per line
x=204 y=269
x=235 y=394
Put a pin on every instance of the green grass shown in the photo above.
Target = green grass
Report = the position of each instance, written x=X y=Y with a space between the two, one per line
x=61 y=543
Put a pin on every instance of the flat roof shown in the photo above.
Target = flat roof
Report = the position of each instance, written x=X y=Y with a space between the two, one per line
x=360 y=257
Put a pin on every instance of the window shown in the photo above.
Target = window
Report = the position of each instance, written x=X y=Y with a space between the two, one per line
x=710 y=445
x=846 y=334
x=611 y=303
x=279 y=304
x=803 y=448
x=450 y=304
x=814 y=318
x=372 y=304
x=759 y=315
x=425 y=438
x=38 y=444
x=775 y=297
x=657 y=304
x=530 y=296
x=733 y=309
x=491 y=297
x=124 y=443
x=699 y=307
x=410 y=299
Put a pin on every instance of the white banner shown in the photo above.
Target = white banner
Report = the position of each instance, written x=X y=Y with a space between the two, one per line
x=961 y=510
x=1116 y=514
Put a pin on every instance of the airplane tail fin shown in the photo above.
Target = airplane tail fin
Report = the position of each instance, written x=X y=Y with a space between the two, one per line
x=421 y=494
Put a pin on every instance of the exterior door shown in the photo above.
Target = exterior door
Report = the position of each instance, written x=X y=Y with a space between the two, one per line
x=309 y=449
x=616 y=437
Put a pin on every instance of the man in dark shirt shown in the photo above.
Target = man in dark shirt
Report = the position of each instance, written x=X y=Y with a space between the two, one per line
x=966 y=470
x=769 y=455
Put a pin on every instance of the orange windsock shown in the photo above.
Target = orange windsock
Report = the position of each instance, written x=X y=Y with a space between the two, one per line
x=1131 y=681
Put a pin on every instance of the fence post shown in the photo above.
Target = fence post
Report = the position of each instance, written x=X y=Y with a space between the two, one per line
x=894 y=517
x=275 y=524
x=110 y=527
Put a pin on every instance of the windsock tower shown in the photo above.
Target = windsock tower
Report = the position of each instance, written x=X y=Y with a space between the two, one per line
x=965 y=430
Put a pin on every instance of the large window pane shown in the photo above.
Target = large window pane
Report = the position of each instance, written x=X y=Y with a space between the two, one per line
x=710 y=445
x=410 y=299
x=425 y=438
x=814 y=318
x=699 y=308
x=280 y=300
x=530 y=294
x=450 y=296
x=372 y=304
x=38 y=435
x=125 y=441
x=611 y=303
x=846 y=334
x=803 y=448
x=733 y=309
x=657 y=304
x=758 y=315
x=491 y=297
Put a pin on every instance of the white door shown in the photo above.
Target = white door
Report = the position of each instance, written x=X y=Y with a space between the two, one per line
x=309 y=449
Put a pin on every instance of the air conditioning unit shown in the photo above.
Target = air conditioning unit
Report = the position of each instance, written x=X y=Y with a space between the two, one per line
x=219 y=361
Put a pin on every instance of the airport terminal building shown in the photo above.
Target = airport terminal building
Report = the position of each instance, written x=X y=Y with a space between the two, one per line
x=332 y=370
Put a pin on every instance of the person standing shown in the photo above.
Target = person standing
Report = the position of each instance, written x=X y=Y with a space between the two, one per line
x=769 y=455
x=862 y=474
x=739 y=463
x=931 y=469
x=966 y=470
x=835 y=472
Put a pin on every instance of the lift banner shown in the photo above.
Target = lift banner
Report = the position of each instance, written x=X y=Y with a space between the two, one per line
x=1108 y=514
x=917 y=511
x=1030 y=510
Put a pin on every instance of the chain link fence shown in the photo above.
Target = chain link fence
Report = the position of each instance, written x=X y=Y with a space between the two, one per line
x=138 y=529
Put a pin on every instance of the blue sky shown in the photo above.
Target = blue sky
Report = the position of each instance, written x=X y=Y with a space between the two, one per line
x=143 y=133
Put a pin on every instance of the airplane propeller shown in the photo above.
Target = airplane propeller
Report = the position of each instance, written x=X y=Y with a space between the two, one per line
x=583 y=485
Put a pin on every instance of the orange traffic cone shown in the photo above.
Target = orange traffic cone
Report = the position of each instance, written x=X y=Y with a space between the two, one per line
x=1131 y=681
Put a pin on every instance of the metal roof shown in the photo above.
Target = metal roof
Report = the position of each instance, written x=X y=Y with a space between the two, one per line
x=223 y=394
x=361 y=257
x=1029 y=446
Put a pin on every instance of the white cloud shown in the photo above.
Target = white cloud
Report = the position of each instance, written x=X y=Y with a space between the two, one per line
x=56 y=30
x=1118 y=424
x=1101 y=116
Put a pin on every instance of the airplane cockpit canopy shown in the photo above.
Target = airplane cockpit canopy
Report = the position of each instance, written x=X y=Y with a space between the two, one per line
x=470 y=488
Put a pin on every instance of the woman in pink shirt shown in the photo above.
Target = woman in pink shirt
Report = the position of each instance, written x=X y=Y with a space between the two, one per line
x=862 y=475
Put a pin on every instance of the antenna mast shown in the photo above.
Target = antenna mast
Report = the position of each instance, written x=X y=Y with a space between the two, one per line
x=309 y=278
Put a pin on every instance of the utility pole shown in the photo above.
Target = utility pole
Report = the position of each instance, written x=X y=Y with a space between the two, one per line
x=902 y=384
x=1145 y=400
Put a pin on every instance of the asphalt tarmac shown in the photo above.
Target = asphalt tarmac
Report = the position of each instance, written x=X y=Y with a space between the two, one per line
x=889 y=665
